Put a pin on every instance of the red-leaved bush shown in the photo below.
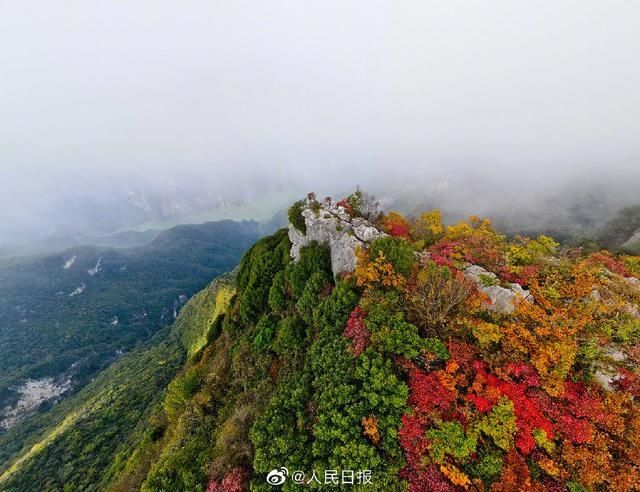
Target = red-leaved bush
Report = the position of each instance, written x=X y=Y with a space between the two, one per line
x=235 y=481
x=356 y=331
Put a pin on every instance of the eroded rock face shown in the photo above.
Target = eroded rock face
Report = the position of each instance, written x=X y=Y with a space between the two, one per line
x=330 y=224
x=503 y=300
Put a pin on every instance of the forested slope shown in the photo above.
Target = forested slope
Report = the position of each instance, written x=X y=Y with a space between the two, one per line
x=65 y=316
x=451 y=358
x=84 y=442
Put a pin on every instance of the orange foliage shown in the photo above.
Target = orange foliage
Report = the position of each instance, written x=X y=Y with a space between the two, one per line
x=378 y=272
x=395 y=224
x=370 y=429
x=456 y=476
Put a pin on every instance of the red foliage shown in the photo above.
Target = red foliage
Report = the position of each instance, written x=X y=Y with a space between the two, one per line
x=524 y=373
x=462 y=353
x=610 y=263
x=581 y=403
x=234 y=481
x=482 y=404
x=522 y=277
x=483 y=251
x=426 y=392
x=356 y=331
x=396 y=225
x=346 y=205
x=529 y=415
x=628 y=381
x=412 y=439
x=427 y=480
x=398 y=230
x=580 y=431
x=444 y=252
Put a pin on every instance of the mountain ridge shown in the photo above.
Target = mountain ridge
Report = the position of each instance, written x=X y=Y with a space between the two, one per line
x=434 y=357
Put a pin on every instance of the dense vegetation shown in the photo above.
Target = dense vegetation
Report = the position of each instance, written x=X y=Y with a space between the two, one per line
x=83 y=442
x=70 y=322
x=401 y=369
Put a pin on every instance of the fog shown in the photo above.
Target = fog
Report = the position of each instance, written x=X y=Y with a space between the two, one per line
x=202 y=103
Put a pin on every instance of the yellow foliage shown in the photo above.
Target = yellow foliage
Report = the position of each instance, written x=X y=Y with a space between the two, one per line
x=456 y=476
x=526 y=251
x=548 y=340
x=632 y=263
x=427 y=227
x=486 y=333
x=377 y=272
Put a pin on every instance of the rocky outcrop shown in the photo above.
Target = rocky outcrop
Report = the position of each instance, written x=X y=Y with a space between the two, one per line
x=606 y=372
x=503 y=299
x=632 y=281
x=330 y=224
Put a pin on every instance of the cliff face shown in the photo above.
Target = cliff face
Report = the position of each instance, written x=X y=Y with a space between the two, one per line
x=329 y=223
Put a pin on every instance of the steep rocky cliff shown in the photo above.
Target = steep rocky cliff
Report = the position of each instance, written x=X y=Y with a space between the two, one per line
x=331 y=224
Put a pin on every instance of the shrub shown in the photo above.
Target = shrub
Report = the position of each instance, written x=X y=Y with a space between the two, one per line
x=500 y=424
x=401 y=338
x=488 y=467
x=362 y=204
x=377 y=273
x=296 y=218
x=289 y=335
x=396 y=225
x=450 y=439
x=427 y=228
x=181 y=390
x=527 y=251
x=255 y=277
x=309 y=299
x=278 y=294
x=396 y=251
x=234 y=481
x=313 y=258
x=436 y=295
x=265 y=332
x=357 y=331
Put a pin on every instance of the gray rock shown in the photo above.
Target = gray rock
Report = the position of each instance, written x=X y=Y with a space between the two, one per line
x=605 y=377
x=503 y=300
x=606 y=371
x=332 y=225
x=614 y=354
x=632 y=281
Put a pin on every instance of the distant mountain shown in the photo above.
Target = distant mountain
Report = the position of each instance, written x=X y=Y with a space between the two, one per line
x=52 y=221
x=633 y=243
x=66 y=238
x=65 y=316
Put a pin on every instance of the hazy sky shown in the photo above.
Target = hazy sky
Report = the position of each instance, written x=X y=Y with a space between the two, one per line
x=94 y=89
